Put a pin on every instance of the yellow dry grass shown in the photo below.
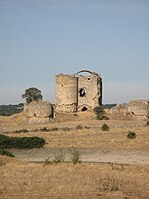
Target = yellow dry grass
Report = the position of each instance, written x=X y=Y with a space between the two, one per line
x=20 y=180
x=115 y=138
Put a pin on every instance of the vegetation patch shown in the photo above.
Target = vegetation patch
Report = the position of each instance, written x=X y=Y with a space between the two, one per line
x=100 y=113
x=6 y=152
x=7 y=142
x=79 y=127
x=131 y=135
x=66 y=128
x=7 y=110
x=2 y=163
x=75 y=156
x=58 y=158
x=105 y=127
x=45 y=129
x=21 y=131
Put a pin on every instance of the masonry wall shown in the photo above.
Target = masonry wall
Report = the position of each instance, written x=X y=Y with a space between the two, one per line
x=92 y=87
x=77 y=92
x=139 y=107
x=66 y=93
x=39 y=112
x=134 y=110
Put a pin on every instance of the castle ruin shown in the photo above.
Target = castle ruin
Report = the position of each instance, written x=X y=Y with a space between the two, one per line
x=39 y=112
x=135 y=109
x=77 y=92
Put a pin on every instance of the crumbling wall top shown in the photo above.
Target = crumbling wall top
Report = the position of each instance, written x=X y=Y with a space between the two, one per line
x=87 y=71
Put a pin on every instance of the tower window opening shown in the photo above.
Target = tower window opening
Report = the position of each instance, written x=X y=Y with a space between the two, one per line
x=82 y=92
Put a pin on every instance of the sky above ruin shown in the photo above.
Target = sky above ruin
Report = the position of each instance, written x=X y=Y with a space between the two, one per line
x=41 y=38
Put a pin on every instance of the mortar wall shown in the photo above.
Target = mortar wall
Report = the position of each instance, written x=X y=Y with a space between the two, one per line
x=76 y=92
x=91 y=85
x=66 y=93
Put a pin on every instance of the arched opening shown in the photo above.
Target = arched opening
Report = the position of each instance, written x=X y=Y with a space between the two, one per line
x=84 y=109
x=84 y=71
x=82 y=92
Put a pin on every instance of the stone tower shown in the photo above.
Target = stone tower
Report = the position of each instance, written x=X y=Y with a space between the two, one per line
x=77 y=92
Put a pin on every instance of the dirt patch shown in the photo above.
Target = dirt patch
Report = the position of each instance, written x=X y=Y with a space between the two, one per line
x=86 y=155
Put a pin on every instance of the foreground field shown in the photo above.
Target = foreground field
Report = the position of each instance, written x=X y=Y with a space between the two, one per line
x=40 y=181
x=20 y=179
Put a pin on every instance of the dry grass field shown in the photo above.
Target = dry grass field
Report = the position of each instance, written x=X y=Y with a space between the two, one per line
x=24 y=180
x=21 y=180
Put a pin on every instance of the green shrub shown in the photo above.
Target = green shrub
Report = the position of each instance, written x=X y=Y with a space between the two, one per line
x=7 y=142
x=131 y=135
x=100 y=113
x=6 y=152
x=105 y=127
x=147 y=123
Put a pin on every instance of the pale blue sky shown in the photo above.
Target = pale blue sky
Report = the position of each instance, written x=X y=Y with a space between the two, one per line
x=41 y=38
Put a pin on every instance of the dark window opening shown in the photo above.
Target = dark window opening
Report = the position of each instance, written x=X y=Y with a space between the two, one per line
x=35 y=114
x=88 y=78
x=82 y=92
x=84 y=109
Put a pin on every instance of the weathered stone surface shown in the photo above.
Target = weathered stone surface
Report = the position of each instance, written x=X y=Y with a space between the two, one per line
x=39 y=112
x=135 y=109
x=77 y=92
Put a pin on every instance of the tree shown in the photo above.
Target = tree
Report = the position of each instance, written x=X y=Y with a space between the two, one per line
x=100 y=113
x=32 y=94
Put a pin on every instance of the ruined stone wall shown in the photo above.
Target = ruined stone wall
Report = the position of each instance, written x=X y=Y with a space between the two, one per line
x=77 y=92
x=138 y=107
x=66 y=93
x=134 y=110
x=39 y=112
x=91 y=86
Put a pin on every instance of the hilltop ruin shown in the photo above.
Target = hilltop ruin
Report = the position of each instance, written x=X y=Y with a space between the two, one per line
x=77 y=92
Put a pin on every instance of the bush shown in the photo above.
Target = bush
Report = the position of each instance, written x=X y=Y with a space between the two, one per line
x=7 y=142
x=100 y=113
x=6 y=152
x=79 y=126
x=105 y=127
x=131 y=135
x=53 y=129
x=21 y=131
x=147 y=123
x=75 y=158
x=45 y=129
x=58 y=158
